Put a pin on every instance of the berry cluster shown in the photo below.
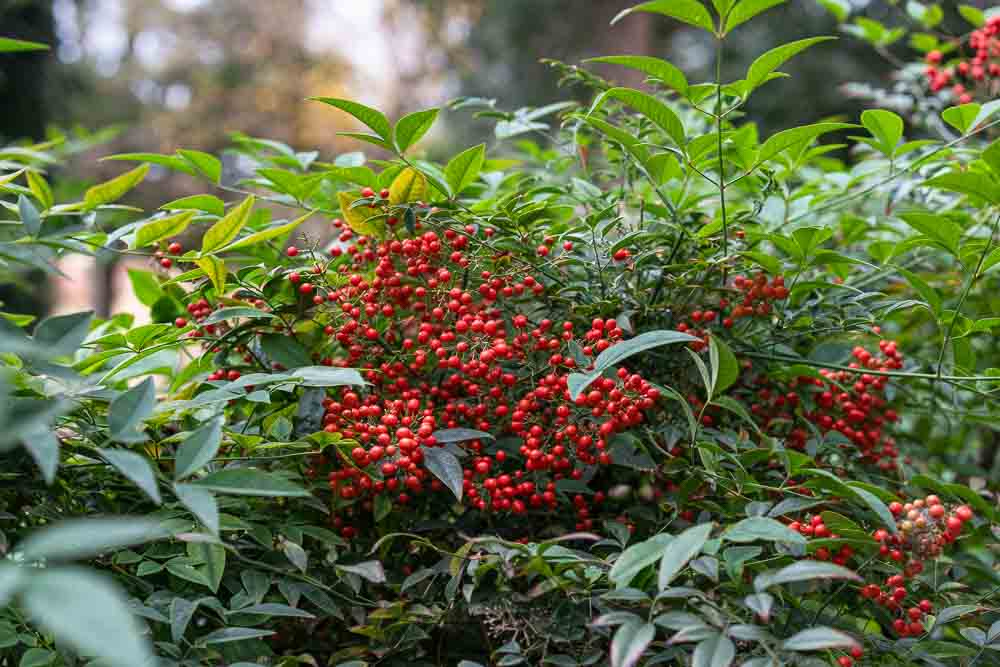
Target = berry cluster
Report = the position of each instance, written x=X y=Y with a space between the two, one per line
x=973 y=78
x=851 y=402
x=758 y=293
x=924 y=527
x=174 y=248
x=443 y=350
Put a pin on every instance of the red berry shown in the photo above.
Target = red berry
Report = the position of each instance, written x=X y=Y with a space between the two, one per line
x=174 y=248
x=292 y=251
x=180 y=323
x=367 y=192
x=384 y=193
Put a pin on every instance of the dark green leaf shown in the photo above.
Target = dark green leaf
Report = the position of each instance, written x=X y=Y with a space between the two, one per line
x=410 y=128
x=375 y=120
x=249 y=482
x=618 y=353
x=445 y=466
x=128 y=410
x=691 y=12
x=87 y=613
x=198 y=449
x=136 y=468
x=680 y=550
x=657 y=68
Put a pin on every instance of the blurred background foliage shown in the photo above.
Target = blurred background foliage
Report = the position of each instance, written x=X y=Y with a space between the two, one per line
x=187 y=73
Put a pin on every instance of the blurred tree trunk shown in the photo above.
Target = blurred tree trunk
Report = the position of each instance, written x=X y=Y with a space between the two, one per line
x=22 y=75
x=634 y=35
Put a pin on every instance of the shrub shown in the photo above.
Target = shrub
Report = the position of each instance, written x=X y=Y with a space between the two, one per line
x=653 y=391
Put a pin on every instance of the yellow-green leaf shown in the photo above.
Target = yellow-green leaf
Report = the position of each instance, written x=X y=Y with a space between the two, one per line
x=215 y=269
x=409 y=185
x=115 y=189
x=267 y=234
x=362 y=219
x=40 y=188
x=225 y=230
x=157 y=230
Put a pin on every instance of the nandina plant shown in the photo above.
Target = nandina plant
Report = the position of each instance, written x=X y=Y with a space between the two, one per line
x=655 y=390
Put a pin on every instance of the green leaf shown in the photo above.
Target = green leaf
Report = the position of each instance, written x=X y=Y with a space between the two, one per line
x=37 y=657
x=926 y=292
x=201 y=503
x=128 y=410
x=169 y=161
x=63 y=334
x=637 y=558
x=266 y=234
x=725 y=368
x=715 y=651
x=746 y=10
x=961 y=117
x=650 y=107
x=8 y=45
x=30 y=217
x=991 y=156
x=181 y=613
x=43 y=447
x=369 y=570
x=249 y=482
x=226 y=635
x=115 y=189
x=819 y=639
x=409 y=186
x=803 y=570
x=969 y=183
x=209 y=165
x=232 y=312
x=628 y=142
x=296 y=555
x=145 y=286
x=885 y=126
x=620 y=352
x=691 y=12
x=228 y=227
x=88 y=613
x=680 y=550
x=198 y=449
x=215 y=269
x=207 y=203
x=445 y=466
x=795 y=136
x=762 y=528
x=941 y=229
x=325 y=376
x=274 y=609
x=159 y=229
x=460 y=435
x=410 y=128
x=973 y=15
x=284 y=350
x=875 y=503
x=361 y=219
x=41 y=189
x=375 y=120
x=659 y=69
x=136 y=468
x=761 y=68
x=77 y=539
x=463 y=169
x=630 y=642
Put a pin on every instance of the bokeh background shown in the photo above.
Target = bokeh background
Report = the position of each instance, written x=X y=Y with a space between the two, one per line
x=165 y=74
